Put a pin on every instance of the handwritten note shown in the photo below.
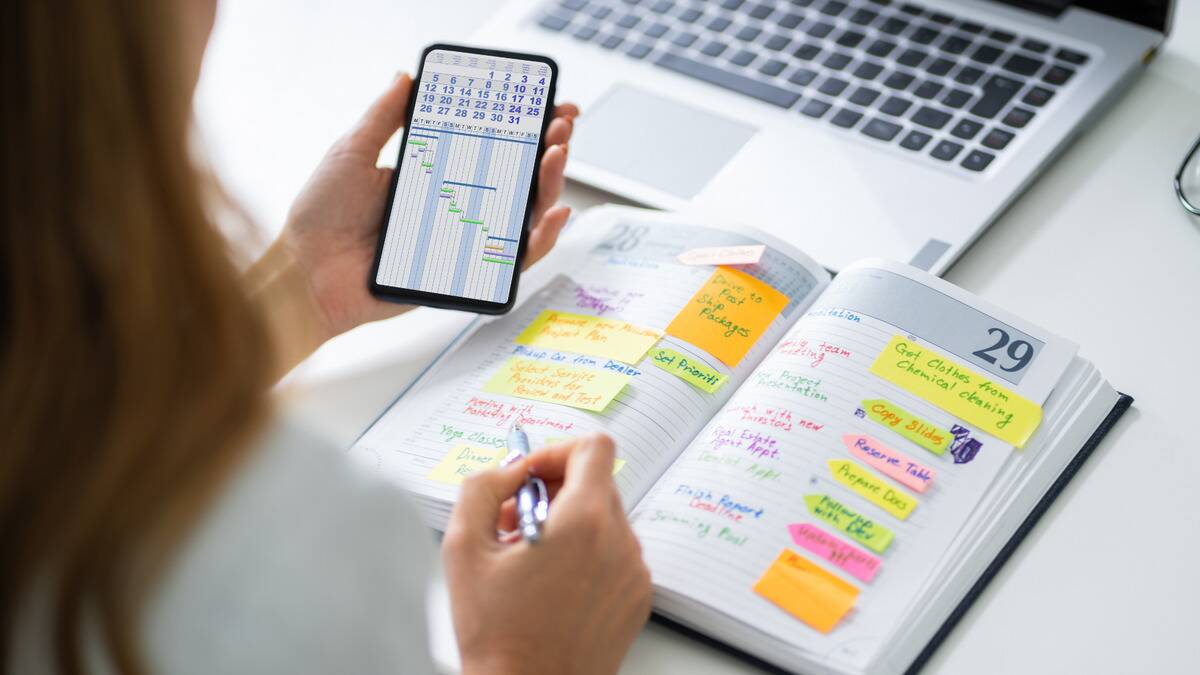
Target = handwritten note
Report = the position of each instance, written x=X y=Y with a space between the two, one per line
x=806 y=591
x=850 y=558
x=723 y=255
x=925 y=434
x=591 y=335
x=728 y=314
x=873 y=488
x=860 y=528
x=894 y=465
x=463 y=460
x=958 y=390
x=555 y=383
x=688 y=369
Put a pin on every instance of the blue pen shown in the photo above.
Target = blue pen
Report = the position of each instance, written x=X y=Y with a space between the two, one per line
x=533 y=500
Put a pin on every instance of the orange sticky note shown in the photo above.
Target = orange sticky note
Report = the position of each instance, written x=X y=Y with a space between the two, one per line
x=728 y=314
x=806 y=591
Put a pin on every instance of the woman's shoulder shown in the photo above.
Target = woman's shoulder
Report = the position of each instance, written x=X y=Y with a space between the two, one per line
x=303 y=563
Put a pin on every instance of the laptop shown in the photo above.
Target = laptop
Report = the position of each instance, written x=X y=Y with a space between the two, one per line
x=853 y=128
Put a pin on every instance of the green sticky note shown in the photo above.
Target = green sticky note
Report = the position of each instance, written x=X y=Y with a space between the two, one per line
x=860 y=528
x=925 y=434
x=690 y=370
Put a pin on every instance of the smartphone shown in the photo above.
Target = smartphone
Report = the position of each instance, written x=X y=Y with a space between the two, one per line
x=457 y=217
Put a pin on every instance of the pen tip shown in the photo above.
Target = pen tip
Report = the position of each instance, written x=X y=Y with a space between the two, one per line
x=516 y=426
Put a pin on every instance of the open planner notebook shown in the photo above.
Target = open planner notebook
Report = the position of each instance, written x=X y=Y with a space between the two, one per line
x=823 y=472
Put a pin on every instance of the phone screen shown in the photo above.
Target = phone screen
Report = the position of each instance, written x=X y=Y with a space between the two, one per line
x=462 y=193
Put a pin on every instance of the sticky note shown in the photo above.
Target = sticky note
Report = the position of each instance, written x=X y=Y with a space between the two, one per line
x=844 y=519
x=583 y=388
x=688 y=369
x=464 y=460
x=806 y=591
x=960 y=391
x=723 y=255
x=591 y=335
x=925 y=434
x=893 y=464
x=847 y=557
x=873 y=488
x=728 y=314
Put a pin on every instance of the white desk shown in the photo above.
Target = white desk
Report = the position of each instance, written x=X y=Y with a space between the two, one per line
x=1098 y=251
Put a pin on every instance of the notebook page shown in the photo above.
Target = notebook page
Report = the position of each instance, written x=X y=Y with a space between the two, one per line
x=630 y=274
x=721 y=514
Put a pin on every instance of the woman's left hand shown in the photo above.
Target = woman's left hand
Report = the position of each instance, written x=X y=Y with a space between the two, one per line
x=333 y=227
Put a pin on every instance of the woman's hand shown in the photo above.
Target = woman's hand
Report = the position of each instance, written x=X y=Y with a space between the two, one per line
x=324 y=254
x=571 y=603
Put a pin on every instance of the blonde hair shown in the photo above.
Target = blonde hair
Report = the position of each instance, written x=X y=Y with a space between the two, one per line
x=133 y=368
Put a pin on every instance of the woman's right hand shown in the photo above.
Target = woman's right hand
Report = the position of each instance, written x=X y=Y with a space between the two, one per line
x=571 y=603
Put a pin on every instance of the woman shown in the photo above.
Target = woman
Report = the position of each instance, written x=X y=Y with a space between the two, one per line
x=156 y=516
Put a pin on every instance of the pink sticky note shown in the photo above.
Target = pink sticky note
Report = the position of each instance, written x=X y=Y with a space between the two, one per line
x=723 y=255
x=892 y=464
x=850 y=558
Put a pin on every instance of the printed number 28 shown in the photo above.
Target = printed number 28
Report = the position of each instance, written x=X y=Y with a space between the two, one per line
x=1019 y=351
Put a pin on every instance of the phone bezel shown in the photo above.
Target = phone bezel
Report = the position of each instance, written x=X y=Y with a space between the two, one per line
x=416 y=297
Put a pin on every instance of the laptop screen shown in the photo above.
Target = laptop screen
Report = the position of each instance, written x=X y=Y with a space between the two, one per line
x=1150 y=13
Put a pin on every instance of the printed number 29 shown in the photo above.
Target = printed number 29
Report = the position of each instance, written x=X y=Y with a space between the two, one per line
x=1019 y=351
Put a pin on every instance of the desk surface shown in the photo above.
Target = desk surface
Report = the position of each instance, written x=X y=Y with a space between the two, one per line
x=1098 y=251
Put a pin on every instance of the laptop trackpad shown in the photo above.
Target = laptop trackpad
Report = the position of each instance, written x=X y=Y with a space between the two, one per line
x=665 y=144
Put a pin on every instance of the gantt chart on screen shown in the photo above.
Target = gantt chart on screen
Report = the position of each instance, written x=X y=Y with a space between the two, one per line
x=463 y=187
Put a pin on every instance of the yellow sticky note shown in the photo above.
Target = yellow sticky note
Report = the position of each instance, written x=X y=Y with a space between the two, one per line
x=463 y=460
x=583 y=388
x=960 y=391
x=872 y=487
x=728 y=314
x=925 y=434
x=806 y=591
x=591 y=335
x=689 y=370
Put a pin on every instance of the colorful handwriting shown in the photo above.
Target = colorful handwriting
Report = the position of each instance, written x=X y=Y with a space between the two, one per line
x=726 y=506
x=925 y=434
x=892 y=464
x=451 y=434
x=835 y=313
x=702 y=528
x=723 y=255
x=848 y=557
x=752 y=442
x=603 y=300
x=505 y=413
x=591 y=335
x=790 y=382
x=806 y=591
x=689 y=370
x=463 y=460
x=728 y=315
x=873 y=488
x=860 y=528
x=754 y=470
x=958 y=390
x=814 y=353
x=553 y=383
x=775 y=418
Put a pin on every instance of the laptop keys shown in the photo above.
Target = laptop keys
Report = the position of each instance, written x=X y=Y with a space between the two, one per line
x=815 y=108
x=931 y=117
x=881 y=129
x=977 y=160
x=946 y=150
x=732 y=81
x=915 y=140
x=997 y=139
x=1038 y=96
x=845 y=118
x=1023 y=65
x=997 y=92
x=743 y=45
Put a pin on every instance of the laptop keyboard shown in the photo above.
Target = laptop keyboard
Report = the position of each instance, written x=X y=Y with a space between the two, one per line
x=945 y=87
